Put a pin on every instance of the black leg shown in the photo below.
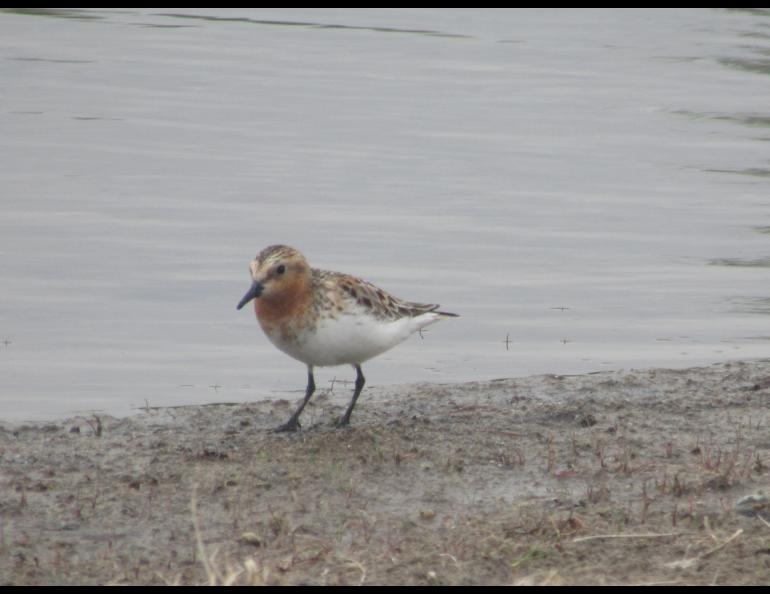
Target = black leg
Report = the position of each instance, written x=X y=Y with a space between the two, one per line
x=293 y=423
x=360 y=381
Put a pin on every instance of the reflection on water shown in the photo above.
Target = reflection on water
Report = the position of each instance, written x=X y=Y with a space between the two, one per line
x=751 y=171
x=759 y=65
x=61 y=13
x=754 y=263
x=755 y=60
x=281 y=23
x=591 y=196
x=757 y=120
x=754 y=305
x=758 y=60
x=51 y=60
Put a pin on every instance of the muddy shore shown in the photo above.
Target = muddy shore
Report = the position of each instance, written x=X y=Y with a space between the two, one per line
x=627 y=477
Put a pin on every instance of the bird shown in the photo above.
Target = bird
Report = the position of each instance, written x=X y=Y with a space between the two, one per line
x=324 y=318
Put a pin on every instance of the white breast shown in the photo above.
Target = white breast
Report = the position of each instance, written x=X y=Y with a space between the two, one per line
x=349 y=338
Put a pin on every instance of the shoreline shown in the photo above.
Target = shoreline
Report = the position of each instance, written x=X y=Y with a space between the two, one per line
x=625 y=477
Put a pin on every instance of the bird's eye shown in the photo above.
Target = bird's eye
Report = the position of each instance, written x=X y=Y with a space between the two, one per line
x=281 y=269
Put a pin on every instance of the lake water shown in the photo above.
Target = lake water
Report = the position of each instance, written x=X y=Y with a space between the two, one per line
x=589 y=189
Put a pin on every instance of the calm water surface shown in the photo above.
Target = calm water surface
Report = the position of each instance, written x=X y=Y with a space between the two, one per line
x=590 y=189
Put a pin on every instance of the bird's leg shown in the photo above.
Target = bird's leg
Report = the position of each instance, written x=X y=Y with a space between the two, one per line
x=293 y=423
x=360 y=381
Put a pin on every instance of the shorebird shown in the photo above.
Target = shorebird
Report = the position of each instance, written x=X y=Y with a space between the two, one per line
x=324 y=318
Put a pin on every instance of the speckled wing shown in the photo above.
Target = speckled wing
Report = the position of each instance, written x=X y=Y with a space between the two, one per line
x=344 y=290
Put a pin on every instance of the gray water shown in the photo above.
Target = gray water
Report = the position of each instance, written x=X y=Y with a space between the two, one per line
x=587 y=188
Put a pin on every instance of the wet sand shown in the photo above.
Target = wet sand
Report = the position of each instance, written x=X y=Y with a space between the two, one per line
x=627 y=477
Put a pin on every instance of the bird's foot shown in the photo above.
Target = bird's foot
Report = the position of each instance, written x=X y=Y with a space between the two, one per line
x=289 y=427
x=343 y=422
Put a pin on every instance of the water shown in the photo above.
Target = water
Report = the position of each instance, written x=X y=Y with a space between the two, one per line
x=588 y=188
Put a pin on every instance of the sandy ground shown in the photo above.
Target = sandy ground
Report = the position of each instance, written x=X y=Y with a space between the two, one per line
x=629 y=477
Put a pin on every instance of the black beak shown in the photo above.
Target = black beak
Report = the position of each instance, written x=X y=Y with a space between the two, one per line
x=254 y=292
